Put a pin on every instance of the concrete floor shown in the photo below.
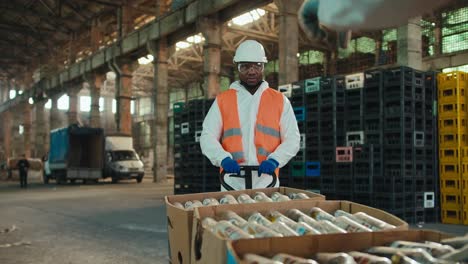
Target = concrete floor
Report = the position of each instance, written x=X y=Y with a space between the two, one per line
x=103 y=223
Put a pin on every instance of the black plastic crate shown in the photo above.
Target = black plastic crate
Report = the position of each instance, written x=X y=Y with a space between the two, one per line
x=388 y=185
x=392 y=139
x=402 y=76
x=343 y=195
x=327 y=184
x=391 y=202
x=362 y=185
x=431 y=215
x=364 y=198
x=373 y=79
x=409 y=216
x=327 y=154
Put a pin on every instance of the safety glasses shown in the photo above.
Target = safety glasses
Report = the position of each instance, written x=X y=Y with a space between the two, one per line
x=244 y=67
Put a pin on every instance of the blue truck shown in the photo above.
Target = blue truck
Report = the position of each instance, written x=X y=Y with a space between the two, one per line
x=76 y=153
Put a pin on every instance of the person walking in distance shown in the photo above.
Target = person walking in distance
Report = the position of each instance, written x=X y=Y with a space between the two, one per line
x=23 y=167
x=250 y=124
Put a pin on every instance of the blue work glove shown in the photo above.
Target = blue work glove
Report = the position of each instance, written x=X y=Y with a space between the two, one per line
x=308 y=20
x=230 y=166
x=268 y=167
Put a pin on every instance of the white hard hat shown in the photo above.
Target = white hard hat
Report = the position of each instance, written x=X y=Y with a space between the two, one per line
x=251 y=51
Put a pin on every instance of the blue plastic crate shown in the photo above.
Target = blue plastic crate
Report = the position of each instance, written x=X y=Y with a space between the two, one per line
x=300 y=113
x=312 y=169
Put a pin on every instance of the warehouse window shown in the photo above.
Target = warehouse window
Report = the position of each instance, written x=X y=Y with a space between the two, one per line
x=311 y=57
x=428 y=38
x=114 y=107
x=48 y=105
x=455 y=30
x=12 y=94
x=389 y=37
x=101 y=104
x=145 y=106
x=85 y=103
x=248 y=17
x=458 y=68
x=63 y=102
x=176 y=96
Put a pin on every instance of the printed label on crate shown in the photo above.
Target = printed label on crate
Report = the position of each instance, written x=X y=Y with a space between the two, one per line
x=354 y=138
x=355 y=81
x=198 y=135
x=184 y=128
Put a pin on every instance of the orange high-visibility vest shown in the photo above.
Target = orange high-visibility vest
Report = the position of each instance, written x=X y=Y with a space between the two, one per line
x=267 y=128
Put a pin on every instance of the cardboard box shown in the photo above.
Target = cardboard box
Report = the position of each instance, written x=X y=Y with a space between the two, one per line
x=210 y=248
x=308 y=246
x=179 y=221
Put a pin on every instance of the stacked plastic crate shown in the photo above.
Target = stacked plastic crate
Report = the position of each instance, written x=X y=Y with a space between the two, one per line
x=408 y=186
x=373 y=136
x=453 y=148
x=301 y=171
x=193 y=172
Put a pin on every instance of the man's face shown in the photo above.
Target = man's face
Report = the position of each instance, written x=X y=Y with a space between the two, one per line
x=250 y=73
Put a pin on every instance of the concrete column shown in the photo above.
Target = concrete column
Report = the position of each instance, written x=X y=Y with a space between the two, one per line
x=54 y=113
x=7 y=127
x=127 y=20
x=211 y=30
x=160 y=109
x=123 y=97
x=95 y=87
x=17 y=143
x=96 y=35
x=27 y=123
x=41 y=130
x=378 y=49
x=2 y=91
x=73 y=106
x=288 y=40
x=72 y=50
x=438 y=35
x=330 y=62
x=108 y=115
x=409 y=43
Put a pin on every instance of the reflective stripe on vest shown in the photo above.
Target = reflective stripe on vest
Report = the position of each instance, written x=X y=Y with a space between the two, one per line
x=267 y=128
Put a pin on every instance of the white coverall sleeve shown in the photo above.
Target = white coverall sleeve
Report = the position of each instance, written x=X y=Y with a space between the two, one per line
x=290 y=136
x=372 y=14
x=211 y=134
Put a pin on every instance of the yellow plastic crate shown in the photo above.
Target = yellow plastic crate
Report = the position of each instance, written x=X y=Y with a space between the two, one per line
x=449 y=154
x=464 y=174
x=449 y=170
x=464 y=154
x=451 y=216
x=452 y=125
x=465 y=201
x=452 y=110
x=465 y=216
x=450 y=185
x=447 y=140
x=452 y=95
x=451 y=200
x=455 y=79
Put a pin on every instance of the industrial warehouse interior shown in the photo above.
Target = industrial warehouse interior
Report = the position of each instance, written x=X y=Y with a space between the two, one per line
x=229 y=131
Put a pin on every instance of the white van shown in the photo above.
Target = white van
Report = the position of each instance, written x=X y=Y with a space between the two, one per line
x=121 y=160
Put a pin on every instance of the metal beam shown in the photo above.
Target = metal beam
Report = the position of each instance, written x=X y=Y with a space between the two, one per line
x=164 y=27
x=75 y=11
x=16 y=26
x=105 y=2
